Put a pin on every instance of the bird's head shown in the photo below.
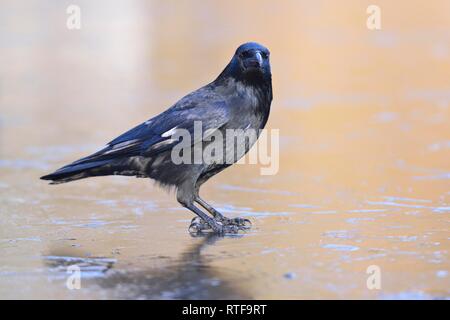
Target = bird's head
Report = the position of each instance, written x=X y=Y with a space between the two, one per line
x=252 y=58
x=250 y=63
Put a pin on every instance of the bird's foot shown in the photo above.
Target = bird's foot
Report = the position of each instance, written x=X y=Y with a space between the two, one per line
x=222 y=226
x=243 y=224
x=199 y=225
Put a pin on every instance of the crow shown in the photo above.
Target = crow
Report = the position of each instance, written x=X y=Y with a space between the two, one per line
x=238 y=99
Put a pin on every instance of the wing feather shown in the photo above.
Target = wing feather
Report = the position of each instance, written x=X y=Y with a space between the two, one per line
x=154 y=135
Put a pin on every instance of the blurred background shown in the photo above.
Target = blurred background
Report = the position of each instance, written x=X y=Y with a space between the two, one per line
x=364 y=153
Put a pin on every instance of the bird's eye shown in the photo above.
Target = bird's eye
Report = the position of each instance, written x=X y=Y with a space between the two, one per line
x=246 y=54
x=265 y=55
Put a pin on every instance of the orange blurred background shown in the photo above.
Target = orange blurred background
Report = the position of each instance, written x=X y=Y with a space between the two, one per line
x=363 y=118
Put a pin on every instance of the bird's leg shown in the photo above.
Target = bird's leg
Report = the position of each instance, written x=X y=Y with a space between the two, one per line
x=240 y=222
x=204 y=223
x=186 y=197
x=216 y=214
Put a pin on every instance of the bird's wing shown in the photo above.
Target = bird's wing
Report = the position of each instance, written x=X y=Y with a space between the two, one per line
x=154 y=135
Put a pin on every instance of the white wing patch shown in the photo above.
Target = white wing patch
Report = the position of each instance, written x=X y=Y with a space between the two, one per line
x=122 y=145
x=162 y=143
x=169 y=133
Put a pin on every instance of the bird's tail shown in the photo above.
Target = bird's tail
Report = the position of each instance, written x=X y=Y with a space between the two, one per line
x=76 y=171
x=108 y=161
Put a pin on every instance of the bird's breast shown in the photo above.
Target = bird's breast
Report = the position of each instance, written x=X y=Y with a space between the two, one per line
x=247 y=105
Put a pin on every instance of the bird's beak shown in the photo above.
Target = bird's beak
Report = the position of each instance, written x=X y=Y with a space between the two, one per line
x=254 y=62
x=259 y=58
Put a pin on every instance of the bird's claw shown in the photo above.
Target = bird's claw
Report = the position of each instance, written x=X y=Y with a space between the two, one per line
x=223 y=226
x=245 y=224
x=198 y=226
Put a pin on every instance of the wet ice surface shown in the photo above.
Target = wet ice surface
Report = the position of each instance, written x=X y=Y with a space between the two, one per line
x=291 y=253
x=363 y=180
x=188 y=276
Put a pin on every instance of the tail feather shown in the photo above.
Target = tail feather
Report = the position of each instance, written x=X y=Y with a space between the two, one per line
x=76 y=171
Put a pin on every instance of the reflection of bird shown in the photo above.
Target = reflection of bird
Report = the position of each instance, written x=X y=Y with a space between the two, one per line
x=191 y=275
x=239 y=99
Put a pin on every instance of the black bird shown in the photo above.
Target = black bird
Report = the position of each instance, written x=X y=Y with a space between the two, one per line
x=239 y=99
